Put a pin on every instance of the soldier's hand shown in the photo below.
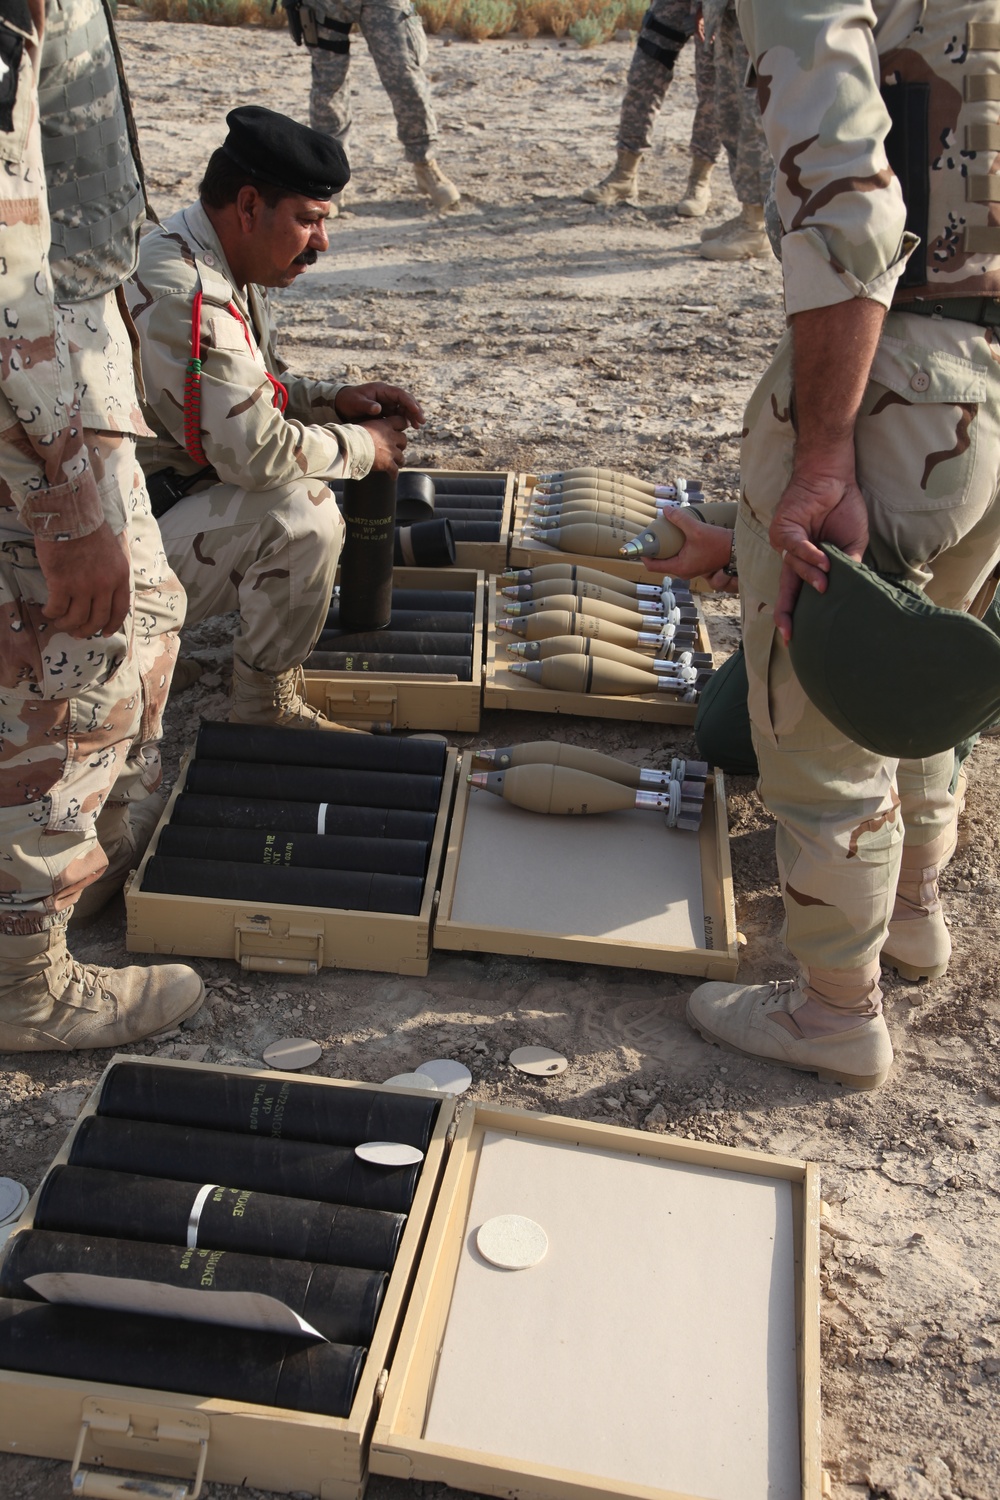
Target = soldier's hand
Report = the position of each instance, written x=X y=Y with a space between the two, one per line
x=821 y=504
x=389 y=438
x=706 y=550
x=359 y=403
x=89 y=582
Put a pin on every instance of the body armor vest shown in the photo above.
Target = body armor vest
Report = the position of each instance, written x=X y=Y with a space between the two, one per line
x=95 y=196
x=942 y=90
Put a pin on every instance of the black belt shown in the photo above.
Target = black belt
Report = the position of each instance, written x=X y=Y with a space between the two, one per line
x=982 y=310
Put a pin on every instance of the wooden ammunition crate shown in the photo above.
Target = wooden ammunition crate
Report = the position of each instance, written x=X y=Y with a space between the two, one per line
x=505 y=689
x=620 y=889
x=526 y=552
x=490 y=557
x=273 y=938
x=417 y=701
x=662 y=1364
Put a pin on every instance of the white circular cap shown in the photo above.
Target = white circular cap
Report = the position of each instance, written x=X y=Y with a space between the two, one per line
x=413 y=1081
x=389 y=1153
x=541 y=1061
x=512 y=1242
x=292 y=1052
x=449 y=1076
x=13 y=1197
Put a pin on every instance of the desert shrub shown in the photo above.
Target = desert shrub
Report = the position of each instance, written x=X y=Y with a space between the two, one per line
x=598 y=25
x=215 y=12
x=478 y=19
x=435 y=14
x=556 y=16
x=632 y=13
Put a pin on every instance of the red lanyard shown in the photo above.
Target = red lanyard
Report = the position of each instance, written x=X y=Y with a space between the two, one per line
x=192 y=381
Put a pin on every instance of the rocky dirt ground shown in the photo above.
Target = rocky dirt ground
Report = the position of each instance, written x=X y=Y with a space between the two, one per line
x=540 y=331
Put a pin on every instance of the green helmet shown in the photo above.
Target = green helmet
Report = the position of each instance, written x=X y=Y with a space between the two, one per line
x=894 y=672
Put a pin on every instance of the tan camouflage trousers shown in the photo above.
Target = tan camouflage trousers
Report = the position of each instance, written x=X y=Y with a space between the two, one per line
x=270 y=554
x=80 y=721
x=738 y=115
x=398 y=47
x=649 y=79
x=927 y=444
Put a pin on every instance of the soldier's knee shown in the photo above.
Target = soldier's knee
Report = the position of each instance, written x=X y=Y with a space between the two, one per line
x=309 y=512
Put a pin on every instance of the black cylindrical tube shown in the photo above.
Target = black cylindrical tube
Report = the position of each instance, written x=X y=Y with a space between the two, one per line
x=314 y=784
x=339 y=752
x=434 y=599
x=468 y=484
x=133 y=1206
x=485 y=504
x=339 y=890
x=435 y=620
x=278 y=1108
x=340 y=1302
x=366 y=562
x=427 y=544
x=290 y=1169
x=387 y=642
x=476 y=531
x=461 y=512
x=202 y=1359
x=287 y=848
x=355 y=823
x=414 y=496
x=388 y=661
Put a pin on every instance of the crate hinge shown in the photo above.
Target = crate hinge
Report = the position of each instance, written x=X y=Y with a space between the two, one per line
x=146 y=1430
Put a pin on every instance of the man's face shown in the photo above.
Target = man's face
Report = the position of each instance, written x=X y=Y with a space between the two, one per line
x=282 y=241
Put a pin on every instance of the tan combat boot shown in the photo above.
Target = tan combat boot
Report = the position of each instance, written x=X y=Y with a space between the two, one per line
x=698 y=193
x=744 y=238
x=259 y=698
x=621 y=182
x=185 y=674
x=124 y=830
x=431 y=180
x=716 y=231
x=917 y=944
x=50 y=1003
x=827 y=1022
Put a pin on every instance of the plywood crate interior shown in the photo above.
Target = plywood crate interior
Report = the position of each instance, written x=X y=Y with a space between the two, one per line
x=665 y=1348
x=165 y=1432
x=619 y=889
x=505 y=689
x=409 y=701
x=266 y=936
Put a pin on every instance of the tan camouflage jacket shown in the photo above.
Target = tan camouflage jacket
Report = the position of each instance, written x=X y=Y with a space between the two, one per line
x=40 y=394
x=819 y=69
x=245 y=437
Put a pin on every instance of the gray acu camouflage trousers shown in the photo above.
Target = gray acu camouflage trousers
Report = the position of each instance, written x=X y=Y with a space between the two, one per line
x=398 y=46
x=649 y=79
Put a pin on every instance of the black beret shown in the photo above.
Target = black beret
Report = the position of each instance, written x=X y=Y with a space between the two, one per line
x=276 y=149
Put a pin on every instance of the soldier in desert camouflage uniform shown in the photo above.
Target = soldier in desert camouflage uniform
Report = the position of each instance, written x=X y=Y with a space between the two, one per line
x=738 y=118
x=245 y=454
x=398 y=46
x=666 y=27
x=88 y=606
x=887 y=438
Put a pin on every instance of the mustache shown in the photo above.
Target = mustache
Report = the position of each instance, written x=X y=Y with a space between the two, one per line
x=307 y=258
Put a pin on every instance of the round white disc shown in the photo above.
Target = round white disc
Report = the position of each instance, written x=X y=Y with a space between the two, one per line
x=449 y=1076
x=13 y=1197
x=541 y=1061
x=512 y=1242
x=413 y=1081
x=292 y=1052
x=389 y=1153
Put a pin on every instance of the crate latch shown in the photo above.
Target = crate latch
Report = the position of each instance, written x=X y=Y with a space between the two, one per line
x=263 y=945
x=368 y=702
x=174 y=1434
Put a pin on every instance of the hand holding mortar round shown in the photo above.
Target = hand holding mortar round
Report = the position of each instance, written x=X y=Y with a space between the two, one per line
x=662 y=539
x=582 y=674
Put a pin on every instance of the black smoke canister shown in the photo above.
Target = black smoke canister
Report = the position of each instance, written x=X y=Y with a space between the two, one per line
x=442 y=618
x=396 y=665
x=404 y=642
x=355 y=823
x=388 y=789
x=135 y=1206
x=476 y=531
x=266 y=745
x=427 y=544
x=272 y=1107
x=414 y=496
x=366 y=562
x=340 y=1302
x=433 y=599
x=337 y=890
x=285 y=846
x=94 y=1344
x=287 y=1168
x=328 y=1114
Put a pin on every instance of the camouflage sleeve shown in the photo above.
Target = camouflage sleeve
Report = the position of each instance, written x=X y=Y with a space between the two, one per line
x=841 y=207
x=39 y=407
x=245 y=437
x=308 y=400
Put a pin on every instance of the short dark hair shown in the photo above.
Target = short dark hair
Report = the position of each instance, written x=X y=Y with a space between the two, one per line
x=224 y=178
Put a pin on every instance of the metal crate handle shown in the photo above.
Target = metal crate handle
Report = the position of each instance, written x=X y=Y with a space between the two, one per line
x=190 y=1432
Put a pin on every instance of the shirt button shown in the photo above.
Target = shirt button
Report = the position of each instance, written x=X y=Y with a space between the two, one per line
x=920 y=382
x=209 y=258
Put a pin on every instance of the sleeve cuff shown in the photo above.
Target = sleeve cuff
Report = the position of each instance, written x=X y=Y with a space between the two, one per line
x=357 y=449
x=813 y=278
x=67 y=511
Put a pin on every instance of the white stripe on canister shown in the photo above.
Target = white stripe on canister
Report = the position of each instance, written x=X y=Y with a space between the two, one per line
x=195 y=1214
